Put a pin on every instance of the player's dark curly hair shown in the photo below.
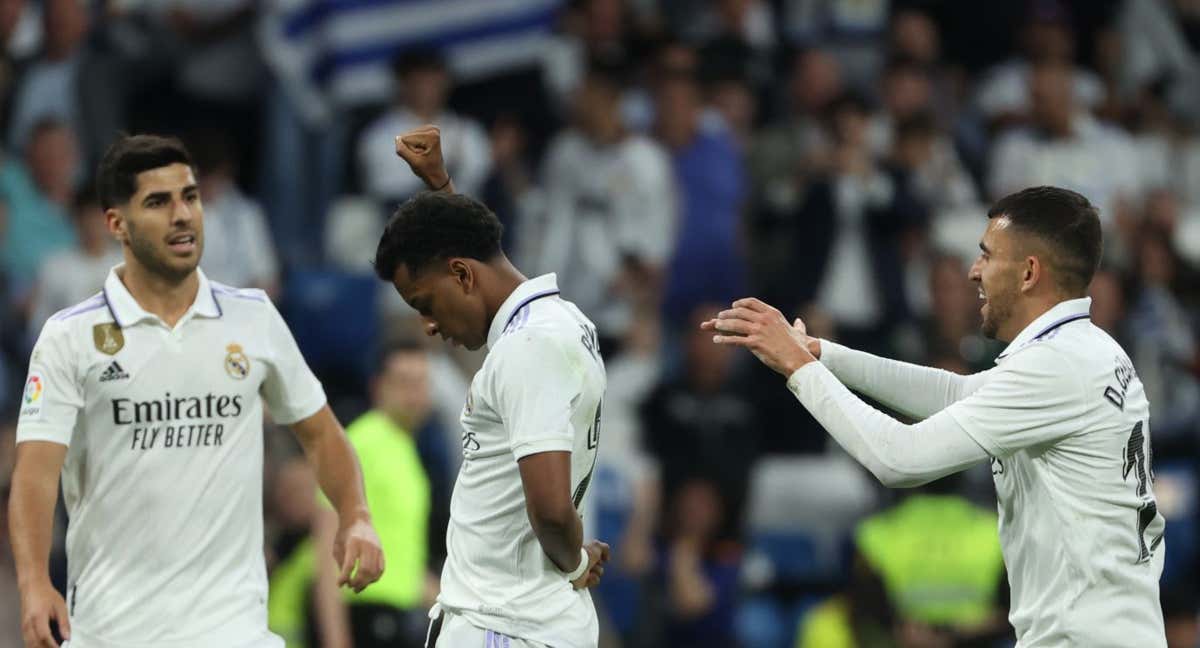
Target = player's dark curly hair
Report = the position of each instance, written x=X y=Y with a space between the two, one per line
x=433 y=226
x=1066 y=223
x=116 y=179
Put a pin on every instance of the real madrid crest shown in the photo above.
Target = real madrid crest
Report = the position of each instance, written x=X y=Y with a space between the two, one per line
x=237 y=365
x=108 y=338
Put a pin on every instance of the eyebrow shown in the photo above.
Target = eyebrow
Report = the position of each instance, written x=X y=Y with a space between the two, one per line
x=155 y=195
x=984 y=248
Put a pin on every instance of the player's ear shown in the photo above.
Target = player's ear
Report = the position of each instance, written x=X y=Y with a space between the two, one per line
x=463 y=274
x=1032 y=272
x=116 y=224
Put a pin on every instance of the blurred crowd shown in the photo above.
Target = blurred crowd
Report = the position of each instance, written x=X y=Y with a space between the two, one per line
x=663 y=157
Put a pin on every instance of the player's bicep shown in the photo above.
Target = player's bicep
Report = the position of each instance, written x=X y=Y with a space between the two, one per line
x=546 y=480
x=53 y=395
x=1033 y=399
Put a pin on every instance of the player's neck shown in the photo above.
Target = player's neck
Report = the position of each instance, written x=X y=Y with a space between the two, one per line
x=168 y=299
x=507 y=279
x=1033 y=309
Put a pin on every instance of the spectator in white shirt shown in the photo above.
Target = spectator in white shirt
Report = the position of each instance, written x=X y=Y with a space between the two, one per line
x=70 y=276
x=423 y=84
x=1005 y=93
x=1065 y=147
x=239 y=250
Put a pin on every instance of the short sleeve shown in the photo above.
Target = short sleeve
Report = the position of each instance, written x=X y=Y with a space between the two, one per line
x=1033 y=398
x=290 y=390
x=537 y=387
x=53 y=395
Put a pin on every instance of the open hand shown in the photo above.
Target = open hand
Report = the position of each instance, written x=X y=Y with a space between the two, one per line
x=762 y=329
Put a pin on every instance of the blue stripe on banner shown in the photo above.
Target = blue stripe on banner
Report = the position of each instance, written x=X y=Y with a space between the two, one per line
x=382 y=52
x=319 y=11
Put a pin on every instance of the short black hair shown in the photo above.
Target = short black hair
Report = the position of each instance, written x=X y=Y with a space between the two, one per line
x=116 y=179
x=394 y=347
x=434 y=225
x=1066 y=223
x=420 y=58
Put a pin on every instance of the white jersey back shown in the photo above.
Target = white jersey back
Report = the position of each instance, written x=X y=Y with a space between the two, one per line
x=539 y=390
x=1080 y=530
x=163 y=473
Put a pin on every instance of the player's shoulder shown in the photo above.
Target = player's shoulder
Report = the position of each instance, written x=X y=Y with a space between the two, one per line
x=1069 y=353
x=242 y=303
x=543 y=326
x=85 y=313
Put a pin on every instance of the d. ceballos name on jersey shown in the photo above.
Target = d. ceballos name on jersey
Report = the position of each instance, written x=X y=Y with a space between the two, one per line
x=176 y=421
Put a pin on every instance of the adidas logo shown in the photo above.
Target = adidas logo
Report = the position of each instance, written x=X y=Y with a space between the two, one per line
x=113 y=372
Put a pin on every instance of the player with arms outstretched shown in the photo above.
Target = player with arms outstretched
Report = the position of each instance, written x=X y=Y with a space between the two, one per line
x=517 y=569
x=148 y=399
x=1063 y=419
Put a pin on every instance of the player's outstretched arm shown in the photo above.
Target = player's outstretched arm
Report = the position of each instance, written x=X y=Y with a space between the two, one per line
x=421 y=148
x=898 y=455
x=546 y=479
x=356 y=546
x=888 y=381
x=31 y=511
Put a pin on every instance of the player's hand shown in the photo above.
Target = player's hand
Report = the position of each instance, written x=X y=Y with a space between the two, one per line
x=421 y=148
x=356 y=548
x=763 y=330
x=598 y=554
x=39 y=604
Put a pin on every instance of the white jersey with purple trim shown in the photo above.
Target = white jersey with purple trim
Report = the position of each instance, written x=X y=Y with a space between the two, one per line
x=1067 y=424
x=163 y=473
x=539 y=390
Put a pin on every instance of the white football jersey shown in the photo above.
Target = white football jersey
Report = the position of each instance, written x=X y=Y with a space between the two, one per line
x=539 y=390
x=163 y=472
x=1067 y=424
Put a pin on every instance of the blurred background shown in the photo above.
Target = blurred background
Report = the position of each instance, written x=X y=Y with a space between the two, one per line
x=834 y=157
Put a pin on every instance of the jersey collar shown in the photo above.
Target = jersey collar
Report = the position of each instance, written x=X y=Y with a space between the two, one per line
x=126 y=311
x=1058 y=315
x=529 y=290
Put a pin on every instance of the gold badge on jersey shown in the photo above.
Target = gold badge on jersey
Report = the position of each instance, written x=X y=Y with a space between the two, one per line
x=237 y=365
x=108 y=338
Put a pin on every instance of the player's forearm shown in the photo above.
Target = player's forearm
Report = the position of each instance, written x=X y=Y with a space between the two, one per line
x=909 y=389
x=332 y=617
x=561 y=537
x=31 y=515
x=899 y=455
x=334 y=462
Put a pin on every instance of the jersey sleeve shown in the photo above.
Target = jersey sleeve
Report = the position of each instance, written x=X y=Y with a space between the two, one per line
x=290 y=390
x=537 y=385
x=1033 y=398
x=53 y=396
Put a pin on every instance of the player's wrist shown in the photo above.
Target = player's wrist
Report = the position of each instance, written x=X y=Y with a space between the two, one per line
x=580 y=570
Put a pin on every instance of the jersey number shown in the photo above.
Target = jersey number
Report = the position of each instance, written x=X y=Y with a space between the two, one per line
x=593 y=440
x=1137 y=461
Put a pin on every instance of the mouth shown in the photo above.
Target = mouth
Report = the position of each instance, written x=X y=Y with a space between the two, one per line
x=983 y=298
x=183 y=243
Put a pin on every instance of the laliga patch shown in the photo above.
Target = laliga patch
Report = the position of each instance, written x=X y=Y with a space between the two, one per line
x=33 y=397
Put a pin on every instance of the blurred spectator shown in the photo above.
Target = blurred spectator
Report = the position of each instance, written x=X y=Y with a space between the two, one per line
x=38 y=194
x=1165 y=347
x=591 y=29
x=10 y=600
x=700 y=568
x=238 y=249
x=1006 y=93
x=1181 y=612
x=1158 y=44
x=70 y=276
x=851 y=30
x=708 y=265
x=951 y=329
x=937 y=177
x=49 y=88
x=1065 y=147
x=423 y=85
x=292 y=510
x=510 y=191
x=845 y=255
x=610 y=212
x=928 y=573
x=749 y=21
x=700 y=425
x=390 y=612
